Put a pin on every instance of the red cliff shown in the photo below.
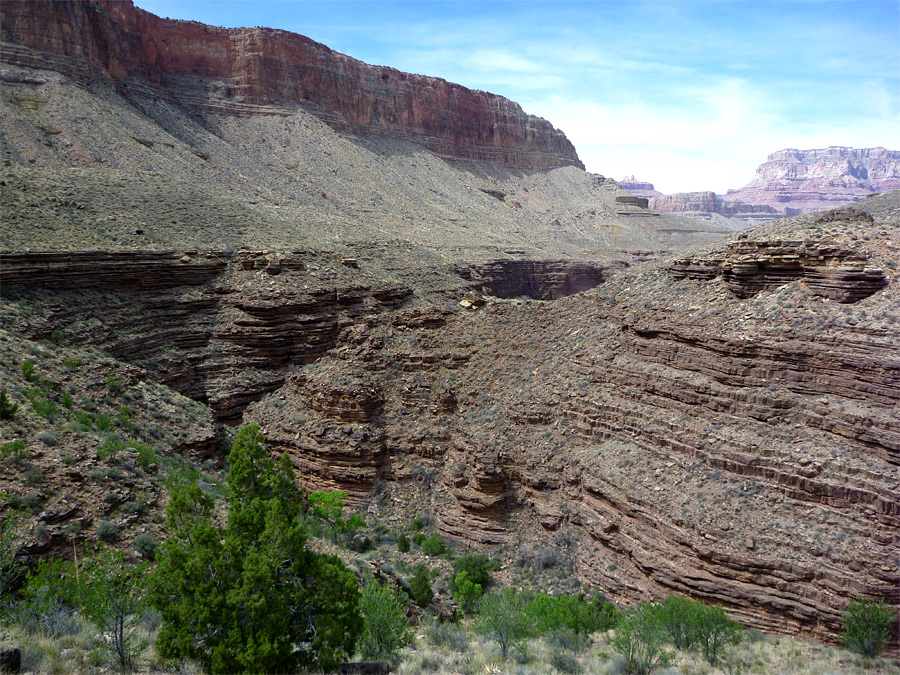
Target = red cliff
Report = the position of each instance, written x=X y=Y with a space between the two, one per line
x=260 y=70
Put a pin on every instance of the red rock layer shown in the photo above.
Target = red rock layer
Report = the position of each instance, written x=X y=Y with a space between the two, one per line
x=260 y=70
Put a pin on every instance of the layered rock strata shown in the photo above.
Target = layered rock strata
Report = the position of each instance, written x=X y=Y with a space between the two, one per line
x=707 y=206
x=803 y=181
x=263 y=71
x=749 y=267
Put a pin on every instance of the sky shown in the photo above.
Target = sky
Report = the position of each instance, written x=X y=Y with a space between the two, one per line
x=687 y=94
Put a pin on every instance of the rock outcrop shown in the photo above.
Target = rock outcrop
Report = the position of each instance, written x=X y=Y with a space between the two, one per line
x=803 y=181
x=709 y=206
x=639 y=188
x=247 y=71
x=749 y=267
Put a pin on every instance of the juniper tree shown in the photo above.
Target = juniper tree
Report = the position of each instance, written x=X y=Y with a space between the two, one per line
x=251 y=597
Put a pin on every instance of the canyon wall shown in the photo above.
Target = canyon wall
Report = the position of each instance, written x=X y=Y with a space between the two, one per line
x=247 y=71
x=802 y=181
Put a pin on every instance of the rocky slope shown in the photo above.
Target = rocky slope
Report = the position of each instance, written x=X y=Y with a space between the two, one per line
x=263 y=71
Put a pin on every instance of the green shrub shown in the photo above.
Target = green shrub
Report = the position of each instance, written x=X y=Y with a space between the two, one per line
x=46 y=437
x=466 y=592
x=867 y=626
x=115 y=384
x=576 y=613
x=107 y=531
x=110 y=448
x=434 y=545
x=8 y=409
x=680 y=618
x=418 y=538
x=41 y=404
x=72 y=363
x=420 y=587
x=15 y=452
x=28 y=371
x=10 y=541
x=477 y=566
x=104 y=423
x=145 y=544
x=403 y=543
x=386 y=630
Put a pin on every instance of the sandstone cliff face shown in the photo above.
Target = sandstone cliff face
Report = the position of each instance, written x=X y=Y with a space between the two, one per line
x=262 y=71
x=803 y=181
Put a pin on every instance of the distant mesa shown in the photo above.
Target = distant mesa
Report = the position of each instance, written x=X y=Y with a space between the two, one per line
x=790 y=183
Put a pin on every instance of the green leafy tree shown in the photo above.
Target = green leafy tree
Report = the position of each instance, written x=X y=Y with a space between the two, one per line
x=109 y=591
x=715 y=631
x=386 y=630
x=640 y=638
x=420 y=587
x=502 y=617
x=113 y=594
x=680 y=618
x=867 y=626
x=573 y=612
x=466 y=592
x=251 y=597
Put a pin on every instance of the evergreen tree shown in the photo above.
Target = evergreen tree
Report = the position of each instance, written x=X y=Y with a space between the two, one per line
x=251 y=597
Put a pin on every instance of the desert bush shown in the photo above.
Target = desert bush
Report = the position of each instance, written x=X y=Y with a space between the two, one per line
x=8 y=409
x=386 y=630
x=564 y=662
x=640 y=638
x=107 y=531
x=145 y=544
x=420 y=586
x=15 y=452
x=434 y=545
x=449 y=635
x=502 y=618
x=10 y=540
x=403 y=543
x=466 y=592
x=46 y=437
x=867 y=626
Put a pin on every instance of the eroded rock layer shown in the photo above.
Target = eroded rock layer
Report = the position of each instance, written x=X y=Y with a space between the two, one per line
x=749 y=267
x=661 y=435
x=263 y=71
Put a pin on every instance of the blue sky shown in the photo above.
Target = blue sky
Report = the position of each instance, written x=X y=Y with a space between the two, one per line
x=687 y=94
